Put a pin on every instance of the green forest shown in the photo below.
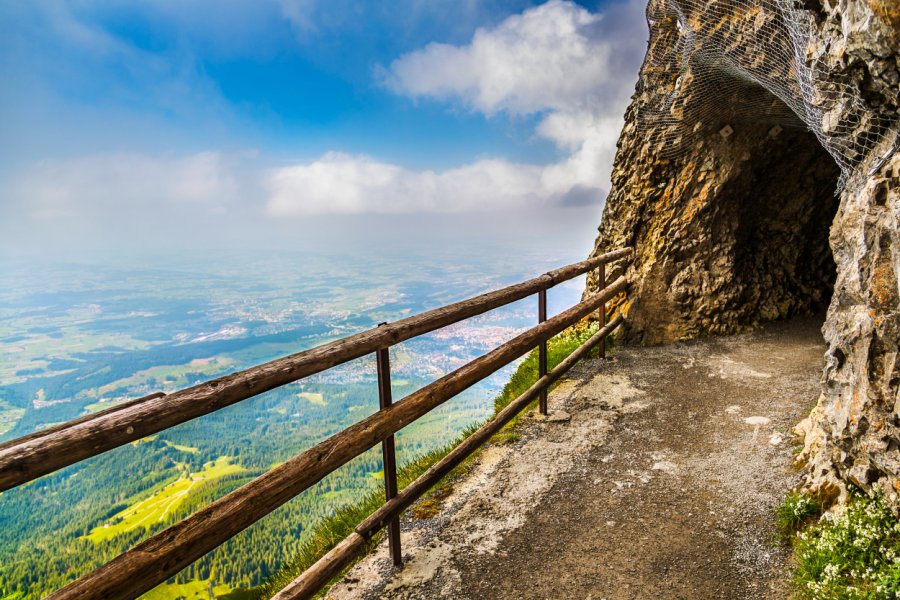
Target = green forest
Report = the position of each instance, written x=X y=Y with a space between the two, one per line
x=65 y=524
x=73 y=351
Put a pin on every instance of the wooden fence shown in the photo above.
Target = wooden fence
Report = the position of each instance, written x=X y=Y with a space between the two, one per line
x=153 y=561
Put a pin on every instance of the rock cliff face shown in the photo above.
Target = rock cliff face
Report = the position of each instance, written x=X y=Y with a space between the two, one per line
x=748 y=117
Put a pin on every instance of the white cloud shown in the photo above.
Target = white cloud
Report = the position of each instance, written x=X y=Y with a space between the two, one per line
x=592 y=141
x=345 y=184
x=348 y=184
x=124 y=184
x=574 y=68
x=549 y=57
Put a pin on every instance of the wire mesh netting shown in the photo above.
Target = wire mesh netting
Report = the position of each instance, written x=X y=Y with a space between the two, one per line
x=724 y=62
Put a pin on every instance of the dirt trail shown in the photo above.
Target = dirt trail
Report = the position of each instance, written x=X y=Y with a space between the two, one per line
x=660 y=485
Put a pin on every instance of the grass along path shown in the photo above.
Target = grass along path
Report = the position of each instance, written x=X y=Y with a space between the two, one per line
x=332 y=530
x=661 y=484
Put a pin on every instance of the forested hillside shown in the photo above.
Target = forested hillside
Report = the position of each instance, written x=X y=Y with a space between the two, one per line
x=79 y=340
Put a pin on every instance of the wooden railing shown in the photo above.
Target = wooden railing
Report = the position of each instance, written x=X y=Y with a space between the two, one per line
x=153 y=561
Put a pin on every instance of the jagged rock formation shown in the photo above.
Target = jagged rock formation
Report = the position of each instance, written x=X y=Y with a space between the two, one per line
x=743 y=126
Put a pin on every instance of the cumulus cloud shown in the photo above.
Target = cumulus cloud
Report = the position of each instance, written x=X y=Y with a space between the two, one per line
x=345 y=184
x=573 y=68
x=340 y=183
x=549 y=57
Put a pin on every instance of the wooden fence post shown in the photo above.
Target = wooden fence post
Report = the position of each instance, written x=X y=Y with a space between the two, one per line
x=601 y=283
x=388 y=452
x=542 y=350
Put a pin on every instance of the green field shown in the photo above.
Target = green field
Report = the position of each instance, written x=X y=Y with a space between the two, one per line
x=32 y=352
x=193 y=589
x=313 y=398
x=9 y=416
x=180 y=448
x=98 y=406
x=154 y=508
x=169 y=376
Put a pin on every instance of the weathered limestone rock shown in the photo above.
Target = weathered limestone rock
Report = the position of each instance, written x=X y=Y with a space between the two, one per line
x=729 y=202
x=853 y=431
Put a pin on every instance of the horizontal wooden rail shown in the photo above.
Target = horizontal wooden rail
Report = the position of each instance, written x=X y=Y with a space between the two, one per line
x=164 y=554
x=29 y=457
x=327 y=567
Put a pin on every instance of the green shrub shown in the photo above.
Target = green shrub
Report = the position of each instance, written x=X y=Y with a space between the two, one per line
x=852 y=553
x=797 y=511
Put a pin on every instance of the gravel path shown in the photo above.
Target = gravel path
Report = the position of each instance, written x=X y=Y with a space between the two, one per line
x=660 y=485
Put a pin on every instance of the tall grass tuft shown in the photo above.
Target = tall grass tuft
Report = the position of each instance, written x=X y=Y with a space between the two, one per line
x=797 y=511
x=331 y=530
x=558 y=349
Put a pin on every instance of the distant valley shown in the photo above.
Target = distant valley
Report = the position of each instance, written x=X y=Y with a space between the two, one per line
x=76 y=339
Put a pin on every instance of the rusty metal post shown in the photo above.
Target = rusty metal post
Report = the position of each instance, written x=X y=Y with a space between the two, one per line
x=542 y=350
x=388 y=453
x=601 y=283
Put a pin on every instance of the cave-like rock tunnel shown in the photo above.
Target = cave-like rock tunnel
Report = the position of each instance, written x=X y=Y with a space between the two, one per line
x=720 y=183
x=769 y=226
x=747 y=120
x=733 y=233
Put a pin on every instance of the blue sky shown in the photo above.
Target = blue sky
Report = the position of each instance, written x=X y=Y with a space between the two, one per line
x=268 y=114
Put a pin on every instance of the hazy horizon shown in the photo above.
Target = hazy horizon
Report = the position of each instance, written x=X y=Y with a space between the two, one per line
x=298 y=125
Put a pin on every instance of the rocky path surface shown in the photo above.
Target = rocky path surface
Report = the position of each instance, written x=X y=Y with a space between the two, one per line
x=661 y=484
